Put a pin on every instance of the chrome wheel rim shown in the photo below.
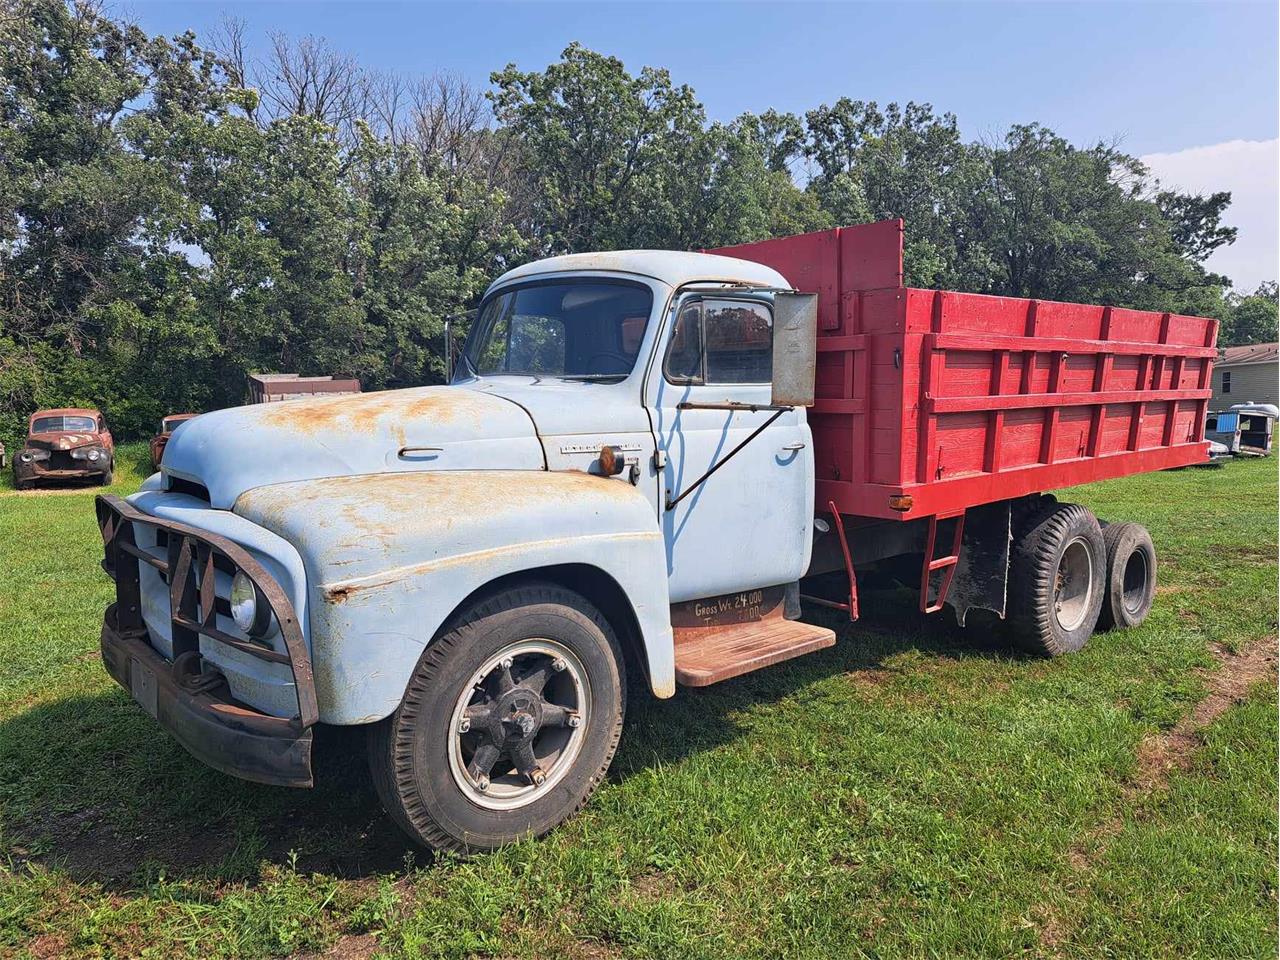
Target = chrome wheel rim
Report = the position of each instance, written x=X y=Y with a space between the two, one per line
x=1073 y=586
x=517 y=728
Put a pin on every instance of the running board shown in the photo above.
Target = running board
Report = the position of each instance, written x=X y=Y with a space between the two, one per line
x=706 y=655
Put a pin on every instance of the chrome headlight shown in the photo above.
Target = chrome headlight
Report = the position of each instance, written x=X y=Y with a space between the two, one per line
x=93 y=454
x=249 y=609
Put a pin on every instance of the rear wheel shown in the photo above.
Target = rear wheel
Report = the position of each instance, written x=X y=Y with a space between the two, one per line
x=508 y=724
x=1056 y=579
x=1131 y=575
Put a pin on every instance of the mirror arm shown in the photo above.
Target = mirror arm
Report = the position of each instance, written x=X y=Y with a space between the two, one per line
x=728 y=456
x=732 y=405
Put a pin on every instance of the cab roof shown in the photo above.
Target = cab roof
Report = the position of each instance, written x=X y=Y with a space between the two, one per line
x=669 y=266
x=65 y=412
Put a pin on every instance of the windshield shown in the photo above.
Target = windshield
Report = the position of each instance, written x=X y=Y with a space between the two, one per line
x=575 y=330
x=63 y=425
x=168 y=426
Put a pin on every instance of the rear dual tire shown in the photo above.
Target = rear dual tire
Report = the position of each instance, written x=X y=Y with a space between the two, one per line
x=1057 y=579
x=1070 y=576
x=1131 y=576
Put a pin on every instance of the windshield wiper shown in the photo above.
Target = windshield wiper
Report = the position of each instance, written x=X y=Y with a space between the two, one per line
x=593 y=377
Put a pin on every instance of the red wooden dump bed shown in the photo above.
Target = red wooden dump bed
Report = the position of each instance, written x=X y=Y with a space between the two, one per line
x=958 y=399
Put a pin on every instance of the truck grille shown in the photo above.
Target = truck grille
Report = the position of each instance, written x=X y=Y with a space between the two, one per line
x=188 y=561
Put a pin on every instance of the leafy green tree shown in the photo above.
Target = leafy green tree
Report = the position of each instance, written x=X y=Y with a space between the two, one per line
x=614 y=161
x=1251 y=318
x=74 y=195
x=595 y=142
x=906 y=162
x=1066 y=223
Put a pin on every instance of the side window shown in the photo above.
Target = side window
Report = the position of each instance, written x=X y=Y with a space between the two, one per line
x=684 y=355
x=739 y=341
x=721 y=341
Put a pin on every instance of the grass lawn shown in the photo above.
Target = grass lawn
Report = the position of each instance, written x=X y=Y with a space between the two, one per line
x=907 y=793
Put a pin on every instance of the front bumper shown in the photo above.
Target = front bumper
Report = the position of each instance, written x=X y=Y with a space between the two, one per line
x=61 y=467
x=188 y=696
x=213 y=728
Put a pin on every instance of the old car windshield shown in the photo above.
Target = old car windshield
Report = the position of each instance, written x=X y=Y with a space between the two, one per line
x=583 y=330
x=62 y=424
x=168 y=426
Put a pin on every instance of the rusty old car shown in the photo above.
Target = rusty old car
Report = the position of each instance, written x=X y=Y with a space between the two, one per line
x=644 y=463
x=161 y=439
x=68 y=443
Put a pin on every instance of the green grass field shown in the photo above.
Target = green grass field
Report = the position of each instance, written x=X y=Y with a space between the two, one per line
x=907 y=793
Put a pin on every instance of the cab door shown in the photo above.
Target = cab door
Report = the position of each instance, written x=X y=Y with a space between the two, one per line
x=749 y=524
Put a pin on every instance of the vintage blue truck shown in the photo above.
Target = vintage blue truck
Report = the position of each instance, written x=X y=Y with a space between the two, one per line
x=619 y=481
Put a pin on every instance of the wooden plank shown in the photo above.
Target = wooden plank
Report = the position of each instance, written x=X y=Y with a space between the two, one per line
x=969 y=341
x=931 y=374
x=995 y=424
x=1095 y=422
x=1034 y=400
x=706 y=655
x=1051 y=412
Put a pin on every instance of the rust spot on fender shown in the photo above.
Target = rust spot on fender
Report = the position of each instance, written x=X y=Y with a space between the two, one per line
x=345 y=590
x=340 y=593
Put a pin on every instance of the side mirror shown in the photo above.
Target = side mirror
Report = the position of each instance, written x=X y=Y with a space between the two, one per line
x=795 y=348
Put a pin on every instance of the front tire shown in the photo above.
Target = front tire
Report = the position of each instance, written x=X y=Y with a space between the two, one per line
x=508 y=725
x=1056 y=580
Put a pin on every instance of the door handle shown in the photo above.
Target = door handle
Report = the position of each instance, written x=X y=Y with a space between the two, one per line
x=419 y=451
x=798 y=445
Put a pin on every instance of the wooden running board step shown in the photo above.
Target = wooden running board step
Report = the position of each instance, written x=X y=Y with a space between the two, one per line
x=706 y=655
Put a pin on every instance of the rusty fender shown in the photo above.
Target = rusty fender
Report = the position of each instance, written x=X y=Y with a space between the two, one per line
x=389 y=557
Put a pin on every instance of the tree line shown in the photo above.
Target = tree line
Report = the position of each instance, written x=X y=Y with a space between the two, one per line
x=175 y=213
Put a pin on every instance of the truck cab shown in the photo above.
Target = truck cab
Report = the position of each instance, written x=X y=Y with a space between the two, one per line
x=608 y=462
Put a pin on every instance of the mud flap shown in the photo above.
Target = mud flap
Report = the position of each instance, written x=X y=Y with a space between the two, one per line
x=982 y=574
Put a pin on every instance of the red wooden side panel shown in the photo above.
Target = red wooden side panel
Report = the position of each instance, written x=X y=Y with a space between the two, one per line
x=957 y=399
x=857 y=274
x=810 y=261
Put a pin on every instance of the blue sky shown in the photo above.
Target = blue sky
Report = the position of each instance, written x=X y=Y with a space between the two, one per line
x=1161 y=78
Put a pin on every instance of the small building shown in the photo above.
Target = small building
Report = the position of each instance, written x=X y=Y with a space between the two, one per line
x=270 y=387
x=1248 y=374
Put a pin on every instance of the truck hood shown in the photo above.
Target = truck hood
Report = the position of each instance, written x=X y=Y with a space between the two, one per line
x=62 y=441
x=422 y=428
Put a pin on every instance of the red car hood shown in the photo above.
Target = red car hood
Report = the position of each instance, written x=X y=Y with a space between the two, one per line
x=63 y=441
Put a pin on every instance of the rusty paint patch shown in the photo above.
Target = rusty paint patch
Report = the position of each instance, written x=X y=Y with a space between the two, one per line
x=360 y=412
x=377 y=506
x=345 y=590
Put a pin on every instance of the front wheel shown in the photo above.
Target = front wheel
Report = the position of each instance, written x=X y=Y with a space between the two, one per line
x=508 y=725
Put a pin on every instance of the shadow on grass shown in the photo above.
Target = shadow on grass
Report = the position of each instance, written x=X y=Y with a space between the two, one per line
x=94 y=788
